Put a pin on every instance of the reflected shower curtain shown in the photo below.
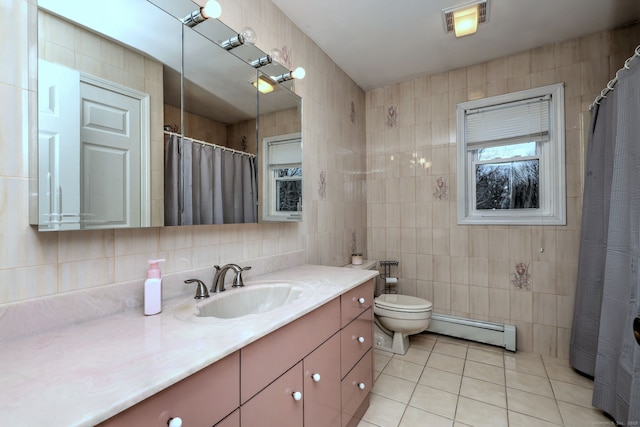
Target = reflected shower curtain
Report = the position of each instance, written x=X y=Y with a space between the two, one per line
x=608 y=288
x=208 y=185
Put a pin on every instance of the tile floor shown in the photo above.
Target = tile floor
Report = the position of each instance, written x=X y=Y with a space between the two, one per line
x=443 y=381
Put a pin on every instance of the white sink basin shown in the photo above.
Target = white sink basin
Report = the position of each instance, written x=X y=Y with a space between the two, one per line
x=251 y=299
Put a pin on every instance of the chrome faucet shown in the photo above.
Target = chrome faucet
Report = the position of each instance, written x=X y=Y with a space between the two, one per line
x=221 y=272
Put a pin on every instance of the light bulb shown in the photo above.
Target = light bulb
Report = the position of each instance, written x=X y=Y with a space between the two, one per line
x=298 y=73
x=212 y=9
x=249 y=35
x=276 y=55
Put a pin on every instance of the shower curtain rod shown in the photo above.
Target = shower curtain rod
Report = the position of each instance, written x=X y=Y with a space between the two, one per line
x=612 y=82
x=222 y=147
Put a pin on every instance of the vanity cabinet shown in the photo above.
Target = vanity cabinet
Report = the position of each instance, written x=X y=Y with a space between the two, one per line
x=316 y=371
x=200 y=400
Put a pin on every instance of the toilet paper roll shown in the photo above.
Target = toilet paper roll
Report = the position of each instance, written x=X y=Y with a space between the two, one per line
x=390 y=280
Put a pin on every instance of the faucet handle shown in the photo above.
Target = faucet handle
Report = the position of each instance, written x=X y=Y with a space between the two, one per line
x=238 y=282
x=201 y=290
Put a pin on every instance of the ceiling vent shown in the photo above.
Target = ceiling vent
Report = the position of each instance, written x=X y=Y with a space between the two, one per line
x=483 y=13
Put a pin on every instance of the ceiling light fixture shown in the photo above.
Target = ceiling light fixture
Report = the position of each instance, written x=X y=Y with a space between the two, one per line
x=463 y=19
x=210 y=10
x=264 y=84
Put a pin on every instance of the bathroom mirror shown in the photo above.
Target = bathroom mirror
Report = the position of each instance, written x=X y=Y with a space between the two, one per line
x=135 y=47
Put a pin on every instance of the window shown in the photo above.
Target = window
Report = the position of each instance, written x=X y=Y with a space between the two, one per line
x=511 y=158
x=282 y=178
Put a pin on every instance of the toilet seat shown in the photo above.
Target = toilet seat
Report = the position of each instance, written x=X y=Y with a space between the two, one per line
x=403 y=303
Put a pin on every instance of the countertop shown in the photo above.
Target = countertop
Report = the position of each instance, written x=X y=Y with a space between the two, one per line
x=82 y=374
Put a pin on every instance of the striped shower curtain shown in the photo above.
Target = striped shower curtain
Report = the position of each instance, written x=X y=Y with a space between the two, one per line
x=205 y=184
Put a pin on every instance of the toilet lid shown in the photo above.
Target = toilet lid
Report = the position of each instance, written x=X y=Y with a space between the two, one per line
x=403 y=303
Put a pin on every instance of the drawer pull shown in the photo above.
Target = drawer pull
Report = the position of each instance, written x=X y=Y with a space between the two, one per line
x=297 y=396
x=360 y=340
x=174 y=422
x=316 y=377
x=361 y=300
x=361 y=386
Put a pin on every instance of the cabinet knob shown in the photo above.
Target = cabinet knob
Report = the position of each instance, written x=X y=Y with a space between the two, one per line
x=361 y=339
x=361 y=386
x=174 y=422
x=297 y=395
x=316 y=377
x=361 y=300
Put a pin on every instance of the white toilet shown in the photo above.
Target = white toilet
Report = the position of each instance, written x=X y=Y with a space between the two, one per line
x=397 y=317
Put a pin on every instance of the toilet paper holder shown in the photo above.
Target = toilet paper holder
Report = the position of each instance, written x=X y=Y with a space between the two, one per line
x=389 y=280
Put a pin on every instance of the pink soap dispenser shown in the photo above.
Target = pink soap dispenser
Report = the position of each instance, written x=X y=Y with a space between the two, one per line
x=153 y=289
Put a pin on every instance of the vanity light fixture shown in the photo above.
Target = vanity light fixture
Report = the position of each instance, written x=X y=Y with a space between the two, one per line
x=264 y=84
x=233 y=42
x=210 y=10
x=463 y=19
x=261 y=62
x=297 y=74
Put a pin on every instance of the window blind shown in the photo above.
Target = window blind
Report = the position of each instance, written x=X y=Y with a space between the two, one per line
x=285 y=152
x=527 y=119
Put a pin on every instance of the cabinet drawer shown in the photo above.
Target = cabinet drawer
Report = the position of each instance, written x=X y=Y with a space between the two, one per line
x=275 y=405
x=189 y=399
x=350 y=305
x=353 y=396
x=266 y=359
x=355 y=340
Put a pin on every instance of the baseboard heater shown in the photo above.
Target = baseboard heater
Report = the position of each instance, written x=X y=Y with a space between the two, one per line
x=501 y=335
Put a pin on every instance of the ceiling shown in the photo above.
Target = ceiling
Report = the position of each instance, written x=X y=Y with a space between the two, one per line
x=383 y=42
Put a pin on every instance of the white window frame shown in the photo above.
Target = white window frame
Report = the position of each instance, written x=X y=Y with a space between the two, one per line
x=269 y=194
x=552 y=187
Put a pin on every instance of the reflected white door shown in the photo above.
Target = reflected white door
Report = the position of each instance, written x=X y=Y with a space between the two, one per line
x=58 y=147
x=110 y=140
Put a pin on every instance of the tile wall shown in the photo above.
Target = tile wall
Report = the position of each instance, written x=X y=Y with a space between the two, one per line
x=468 y=270
x=36 y=264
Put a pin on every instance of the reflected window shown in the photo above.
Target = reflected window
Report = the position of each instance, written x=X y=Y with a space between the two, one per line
x=282 y=178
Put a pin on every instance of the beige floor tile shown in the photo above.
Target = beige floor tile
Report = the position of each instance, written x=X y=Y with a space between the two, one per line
x=456 y=424
x=527 y=355
x=384 y=412
x=446 y=363
x=433 y=400
x=484 y=391
x=533 y=405
x=524 y=364
x=380 y=360
x=414 y=417
x=555 y=361
x=482 y=371
x=579 y=416
x=452 y=340
x=528 y=382
x=517 y=419
x=480 y=414
x=405 y=370
x=414 y=355
x=364 y=423
x=486 y=347
x=442 y=380
x=572 y=393
x=394 y=388
x=422 y=341
x=568 y=375
x=484 y=356
x=450 y=349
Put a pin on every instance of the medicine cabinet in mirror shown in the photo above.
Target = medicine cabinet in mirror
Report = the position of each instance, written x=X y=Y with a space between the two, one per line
x=146 y=122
